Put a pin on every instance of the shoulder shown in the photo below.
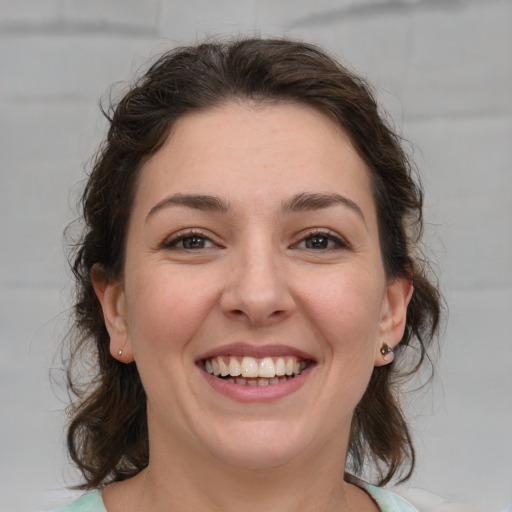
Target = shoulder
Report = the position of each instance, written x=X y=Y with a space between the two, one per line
x=90 y=502
x=387 y=500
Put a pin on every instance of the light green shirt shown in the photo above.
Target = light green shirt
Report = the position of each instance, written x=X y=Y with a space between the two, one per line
x=386 y=500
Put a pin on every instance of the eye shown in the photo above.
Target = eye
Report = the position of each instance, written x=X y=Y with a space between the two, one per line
x=321 y=241
x=188 y=242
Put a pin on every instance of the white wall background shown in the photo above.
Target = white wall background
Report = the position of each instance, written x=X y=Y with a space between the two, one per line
x=444 y=71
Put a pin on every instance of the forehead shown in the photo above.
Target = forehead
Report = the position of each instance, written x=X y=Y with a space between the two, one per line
x=243 y=150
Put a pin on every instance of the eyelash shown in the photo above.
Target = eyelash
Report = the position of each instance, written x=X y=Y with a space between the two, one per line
x=324 y=234
x=173 y=241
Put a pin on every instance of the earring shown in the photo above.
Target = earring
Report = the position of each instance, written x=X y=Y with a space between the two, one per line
x=387 y=352
x=120 y=352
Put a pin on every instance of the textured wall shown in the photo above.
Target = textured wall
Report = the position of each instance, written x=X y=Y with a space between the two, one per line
x=444 y=71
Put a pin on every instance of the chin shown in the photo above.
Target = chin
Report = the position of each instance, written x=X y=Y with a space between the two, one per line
x=260 y=447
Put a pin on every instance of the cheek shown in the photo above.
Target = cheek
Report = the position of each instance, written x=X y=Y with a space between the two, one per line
x=345 y=309
x=166 y=308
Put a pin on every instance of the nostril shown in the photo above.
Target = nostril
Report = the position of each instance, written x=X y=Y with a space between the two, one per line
x=279 y=313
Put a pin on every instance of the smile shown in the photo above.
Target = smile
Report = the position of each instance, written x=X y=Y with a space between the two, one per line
x=252 y=371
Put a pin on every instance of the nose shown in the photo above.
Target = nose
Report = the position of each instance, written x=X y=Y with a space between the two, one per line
x=257 y=290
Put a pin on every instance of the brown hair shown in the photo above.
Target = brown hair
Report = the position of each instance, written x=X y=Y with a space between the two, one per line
x=107 y=435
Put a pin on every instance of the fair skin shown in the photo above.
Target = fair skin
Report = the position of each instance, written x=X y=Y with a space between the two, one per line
x=253 y=238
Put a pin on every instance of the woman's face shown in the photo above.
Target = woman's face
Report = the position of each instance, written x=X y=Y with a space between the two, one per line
x=253 y=251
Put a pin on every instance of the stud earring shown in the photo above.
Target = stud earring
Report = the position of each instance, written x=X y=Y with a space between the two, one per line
x=387 y=352
x=120 y=352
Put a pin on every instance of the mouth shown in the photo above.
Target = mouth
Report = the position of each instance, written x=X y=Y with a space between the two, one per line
x=254 y=371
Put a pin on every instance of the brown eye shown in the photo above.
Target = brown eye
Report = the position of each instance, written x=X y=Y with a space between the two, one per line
x=322 y=242
x=189 y=242
x=194 y=242
x=317 y=242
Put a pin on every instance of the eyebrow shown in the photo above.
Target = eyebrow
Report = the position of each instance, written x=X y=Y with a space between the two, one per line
x=196 y=201
x=317 y=201
x=305 y=201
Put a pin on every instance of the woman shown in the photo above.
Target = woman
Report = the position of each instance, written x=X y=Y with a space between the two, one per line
x=249 y=285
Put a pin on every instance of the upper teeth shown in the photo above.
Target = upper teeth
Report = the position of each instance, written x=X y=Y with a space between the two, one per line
x=252 y=367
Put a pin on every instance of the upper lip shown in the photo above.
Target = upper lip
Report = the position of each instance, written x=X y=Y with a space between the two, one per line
x=256 y=351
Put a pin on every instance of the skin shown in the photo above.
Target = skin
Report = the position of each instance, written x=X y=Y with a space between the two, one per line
x=255 y=278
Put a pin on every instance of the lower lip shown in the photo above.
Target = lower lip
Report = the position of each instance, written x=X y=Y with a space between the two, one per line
x=247 y=394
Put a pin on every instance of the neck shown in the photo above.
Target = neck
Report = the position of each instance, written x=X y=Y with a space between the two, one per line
x=193 y=483
x=234 y=489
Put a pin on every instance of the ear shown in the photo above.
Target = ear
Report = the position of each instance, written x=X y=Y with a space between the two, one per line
x=392 y=318
x=112 y=298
